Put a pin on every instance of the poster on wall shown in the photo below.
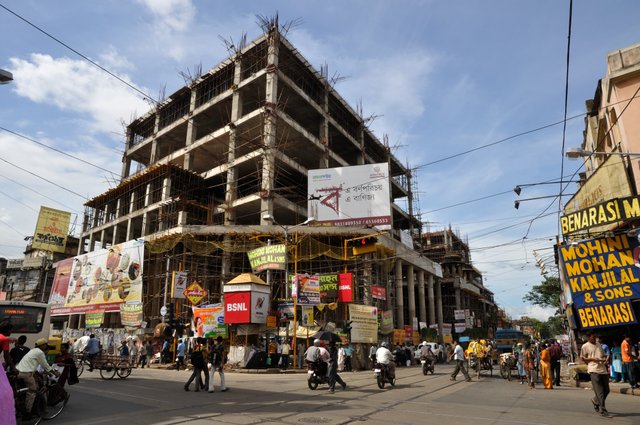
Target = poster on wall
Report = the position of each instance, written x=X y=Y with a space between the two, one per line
x=179 y=284
x=209 y=321
x=131 y=315
x=104 y=279
x=308 y=289
x=93 y=318
x=328 y=288
x=364 y=323
x=386 y=322
x=307 y=316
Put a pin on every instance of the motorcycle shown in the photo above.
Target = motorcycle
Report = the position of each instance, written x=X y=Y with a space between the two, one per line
x=316 y=375
x=428 y=365
x=383 y=376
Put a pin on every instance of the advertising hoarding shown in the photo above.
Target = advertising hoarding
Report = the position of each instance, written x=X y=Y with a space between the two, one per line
x=350 y=196
x=603 y=276
x=209 y=321
x=52 y=228
x=104 y=279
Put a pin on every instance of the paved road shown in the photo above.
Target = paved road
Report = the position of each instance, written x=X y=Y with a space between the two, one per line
x=152 y=396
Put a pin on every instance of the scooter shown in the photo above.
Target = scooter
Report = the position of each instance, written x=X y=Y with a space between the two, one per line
x=316 y=375
x=428 y=365
x=383 y=375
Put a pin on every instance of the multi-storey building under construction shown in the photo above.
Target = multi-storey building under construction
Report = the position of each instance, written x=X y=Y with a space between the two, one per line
x=220 y=168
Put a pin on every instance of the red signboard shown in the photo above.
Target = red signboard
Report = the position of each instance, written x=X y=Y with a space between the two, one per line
x=408 y=332
x=379 y=292
x=237 y=307
x=345 y=287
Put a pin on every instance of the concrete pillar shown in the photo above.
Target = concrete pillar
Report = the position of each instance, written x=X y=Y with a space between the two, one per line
x=422 y=309
x=191 y=133
x=458 y=298
x=269 y=132
x=431 y=299
x=232 y=172
x=439 y=308
x=399 y=296
x=411 y=294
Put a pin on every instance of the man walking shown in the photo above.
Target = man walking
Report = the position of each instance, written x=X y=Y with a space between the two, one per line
x=458 y=357
x=217 y=358
x=556 y=353
x=333 y=368
x=628 y=360
x=286 y=348
x=149 y=349
x=197 y=361
x=180 y=350
x=592 y=354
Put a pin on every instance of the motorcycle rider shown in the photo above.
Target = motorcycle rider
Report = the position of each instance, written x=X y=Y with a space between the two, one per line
x=426 y=353
x=318 y=356
x=385 y=357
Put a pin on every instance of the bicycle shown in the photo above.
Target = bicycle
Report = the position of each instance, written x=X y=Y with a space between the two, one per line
x=51 y=398
x=81 y=362
x=123 y=369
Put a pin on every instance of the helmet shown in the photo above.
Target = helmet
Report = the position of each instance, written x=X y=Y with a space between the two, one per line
x=316 y=342
x=385 y=344
x=424 y=342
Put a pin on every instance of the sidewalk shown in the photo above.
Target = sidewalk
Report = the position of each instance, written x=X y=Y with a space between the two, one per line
x=568 y=378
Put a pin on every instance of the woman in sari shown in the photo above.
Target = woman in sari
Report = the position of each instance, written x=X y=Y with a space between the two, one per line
x=545 y=367
x=528 y=364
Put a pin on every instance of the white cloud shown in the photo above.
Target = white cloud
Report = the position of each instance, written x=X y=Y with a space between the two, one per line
x=174 y=15
x=111 y=60
x=537 y=312
x=77 y=86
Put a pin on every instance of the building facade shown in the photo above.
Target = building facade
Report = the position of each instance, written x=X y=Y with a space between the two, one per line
x=220 y=168
x=461 y=285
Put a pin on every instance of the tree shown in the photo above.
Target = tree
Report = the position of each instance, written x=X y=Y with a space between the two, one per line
x=547 y=294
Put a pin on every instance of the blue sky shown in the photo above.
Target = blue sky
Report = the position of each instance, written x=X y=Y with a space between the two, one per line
x=442 y=78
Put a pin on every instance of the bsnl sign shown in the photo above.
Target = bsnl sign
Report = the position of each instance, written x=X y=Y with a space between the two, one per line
x=611 y=211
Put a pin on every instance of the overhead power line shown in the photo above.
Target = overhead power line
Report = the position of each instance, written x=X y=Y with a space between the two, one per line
x=58 y=150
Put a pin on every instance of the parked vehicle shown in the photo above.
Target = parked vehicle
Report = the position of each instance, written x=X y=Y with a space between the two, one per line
x=383 y=375
x=316 y=374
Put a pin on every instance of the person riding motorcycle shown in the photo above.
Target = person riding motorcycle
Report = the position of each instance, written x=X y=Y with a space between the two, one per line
x=318 y=356
x=426 y=353
x=385 y=357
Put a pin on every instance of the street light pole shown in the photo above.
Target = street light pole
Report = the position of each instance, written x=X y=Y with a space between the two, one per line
x=268 y=217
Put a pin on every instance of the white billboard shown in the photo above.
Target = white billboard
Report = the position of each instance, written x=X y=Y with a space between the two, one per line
x=351 y=196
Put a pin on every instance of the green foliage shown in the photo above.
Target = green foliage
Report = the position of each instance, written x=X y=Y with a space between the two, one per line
x=428 y=334
x=547 y=294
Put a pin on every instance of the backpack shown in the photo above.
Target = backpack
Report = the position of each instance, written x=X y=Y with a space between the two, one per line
x=197 y=359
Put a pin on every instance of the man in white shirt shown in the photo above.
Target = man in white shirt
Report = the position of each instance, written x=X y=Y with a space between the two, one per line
x=28 y=366
x=385 y=356
x=592 y=354
x=286 y=348
x=458 y=357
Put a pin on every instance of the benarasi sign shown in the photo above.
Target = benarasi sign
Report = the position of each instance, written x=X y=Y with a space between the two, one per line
x=603 y=276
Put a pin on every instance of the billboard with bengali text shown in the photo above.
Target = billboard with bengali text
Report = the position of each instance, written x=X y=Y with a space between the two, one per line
x=52 y=229
x=350 y=196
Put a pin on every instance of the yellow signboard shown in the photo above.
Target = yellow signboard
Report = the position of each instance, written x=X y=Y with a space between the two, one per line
x=195 y=293
x=51 y=230
x=608 y=181
x=611 y=211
